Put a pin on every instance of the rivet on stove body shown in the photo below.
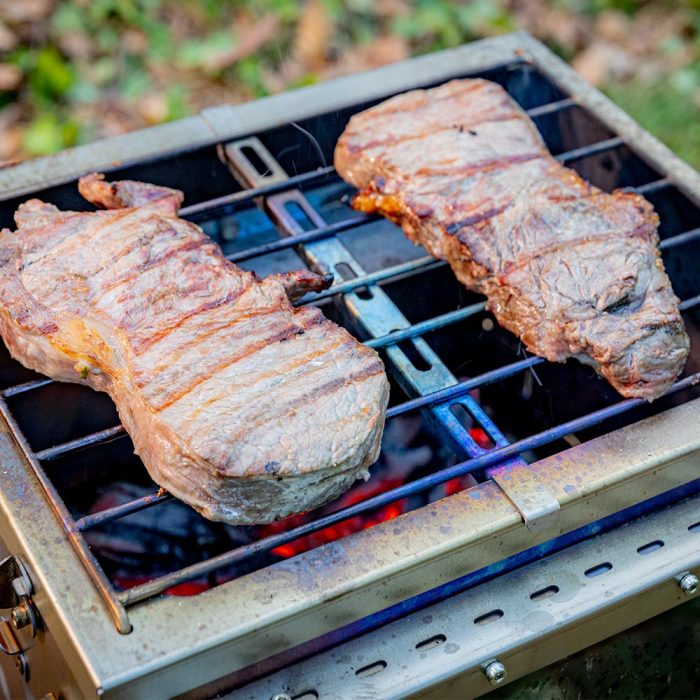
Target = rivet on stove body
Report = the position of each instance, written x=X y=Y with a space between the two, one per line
x=495 y=672
x=20 y=616
x=22 y=665
x=689 y=584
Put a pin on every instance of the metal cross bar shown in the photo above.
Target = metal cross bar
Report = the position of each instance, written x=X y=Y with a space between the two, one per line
x=120 y=511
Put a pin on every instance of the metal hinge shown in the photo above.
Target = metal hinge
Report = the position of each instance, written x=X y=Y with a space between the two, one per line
x=16 y=596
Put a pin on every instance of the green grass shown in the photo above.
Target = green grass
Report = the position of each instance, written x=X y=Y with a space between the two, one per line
x=669 y=113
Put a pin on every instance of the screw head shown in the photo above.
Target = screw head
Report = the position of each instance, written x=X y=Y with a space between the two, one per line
x=20 y=616
x=495 y=673
x=21 y=665
x=689 y=584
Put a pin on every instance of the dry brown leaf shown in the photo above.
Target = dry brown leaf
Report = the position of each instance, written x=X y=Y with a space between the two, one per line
x=289 y=72
x=613 y=26
x=134 y=42
x=10 y=76
x=313 y=35
x=11 y=143
x=22 y=11
x=601 y=61
x=392 y=8
x=254 y=38
x=153 y=107
x=387 y=49
x=76 y=45
x=8 y=39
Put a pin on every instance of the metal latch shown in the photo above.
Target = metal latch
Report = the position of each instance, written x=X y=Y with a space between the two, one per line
x=537 y=506
x=16 y=595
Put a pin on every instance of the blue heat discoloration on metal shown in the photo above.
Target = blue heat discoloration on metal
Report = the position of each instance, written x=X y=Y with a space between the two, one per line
x=504 y=566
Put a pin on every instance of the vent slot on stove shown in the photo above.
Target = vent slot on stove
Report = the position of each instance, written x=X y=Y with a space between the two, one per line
x=431 y=643
x=543 y=593
x=598 y=570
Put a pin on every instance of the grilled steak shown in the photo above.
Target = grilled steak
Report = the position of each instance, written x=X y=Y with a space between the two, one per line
x=240 y=405
x=573 y=271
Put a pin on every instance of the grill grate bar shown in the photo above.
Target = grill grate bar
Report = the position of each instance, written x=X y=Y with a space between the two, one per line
x=316 y=234
x=551 y=108
x=689 y=303
x=590 y=150
x=120 y=511
x=26 y=386
x=418 y=265
x=680 y=238
x=246 y=196
x=652 y=187
x=456 y=390
x=79 y=444
x=423 y=327
x=488 y=459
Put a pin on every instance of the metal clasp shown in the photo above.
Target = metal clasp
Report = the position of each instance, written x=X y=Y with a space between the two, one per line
x=537 y=506
x=16 y=595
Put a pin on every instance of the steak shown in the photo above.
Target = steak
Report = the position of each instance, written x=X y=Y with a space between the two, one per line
x=571 y=270
x=239 y=404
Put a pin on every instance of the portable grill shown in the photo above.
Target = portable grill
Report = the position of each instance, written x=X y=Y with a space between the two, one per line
x=537 y=512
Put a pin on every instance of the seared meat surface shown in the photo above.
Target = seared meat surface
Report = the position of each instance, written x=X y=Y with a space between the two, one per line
x=239 y=404
x=571 y=270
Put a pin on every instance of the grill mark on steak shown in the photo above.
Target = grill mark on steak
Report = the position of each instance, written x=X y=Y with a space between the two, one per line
x=204 y=336
x=463 y=127
x=280 y=336
x=171 y=251
x=498 y=163
x=521 y=241
x=455 y=228
x=289 y=409
x=642 y=231
x=141 y=345
x=57 y=251
x=300 y=361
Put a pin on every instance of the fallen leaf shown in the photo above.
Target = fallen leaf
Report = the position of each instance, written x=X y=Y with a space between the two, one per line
x=10 y=76
x=601 y=61
x=153 y=108
x=8 y=39
x=387 y=49
x=313 y=34
x=254 y=39
x=22 y=11
x=11 y=143
x=613 y=26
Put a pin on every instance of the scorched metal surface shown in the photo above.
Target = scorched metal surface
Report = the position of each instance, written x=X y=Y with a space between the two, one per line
x=529 y=457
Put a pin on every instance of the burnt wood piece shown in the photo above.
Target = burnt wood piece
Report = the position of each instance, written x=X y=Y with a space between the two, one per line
x=571 y=270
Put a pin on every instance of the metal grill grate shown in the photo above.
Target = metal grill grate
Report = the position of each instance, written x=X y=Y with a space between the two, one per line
x=604 y=158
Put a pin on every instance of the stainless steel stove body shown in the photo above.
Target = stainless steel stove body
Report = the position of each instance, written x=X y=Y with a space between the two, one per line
x=539 y=477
